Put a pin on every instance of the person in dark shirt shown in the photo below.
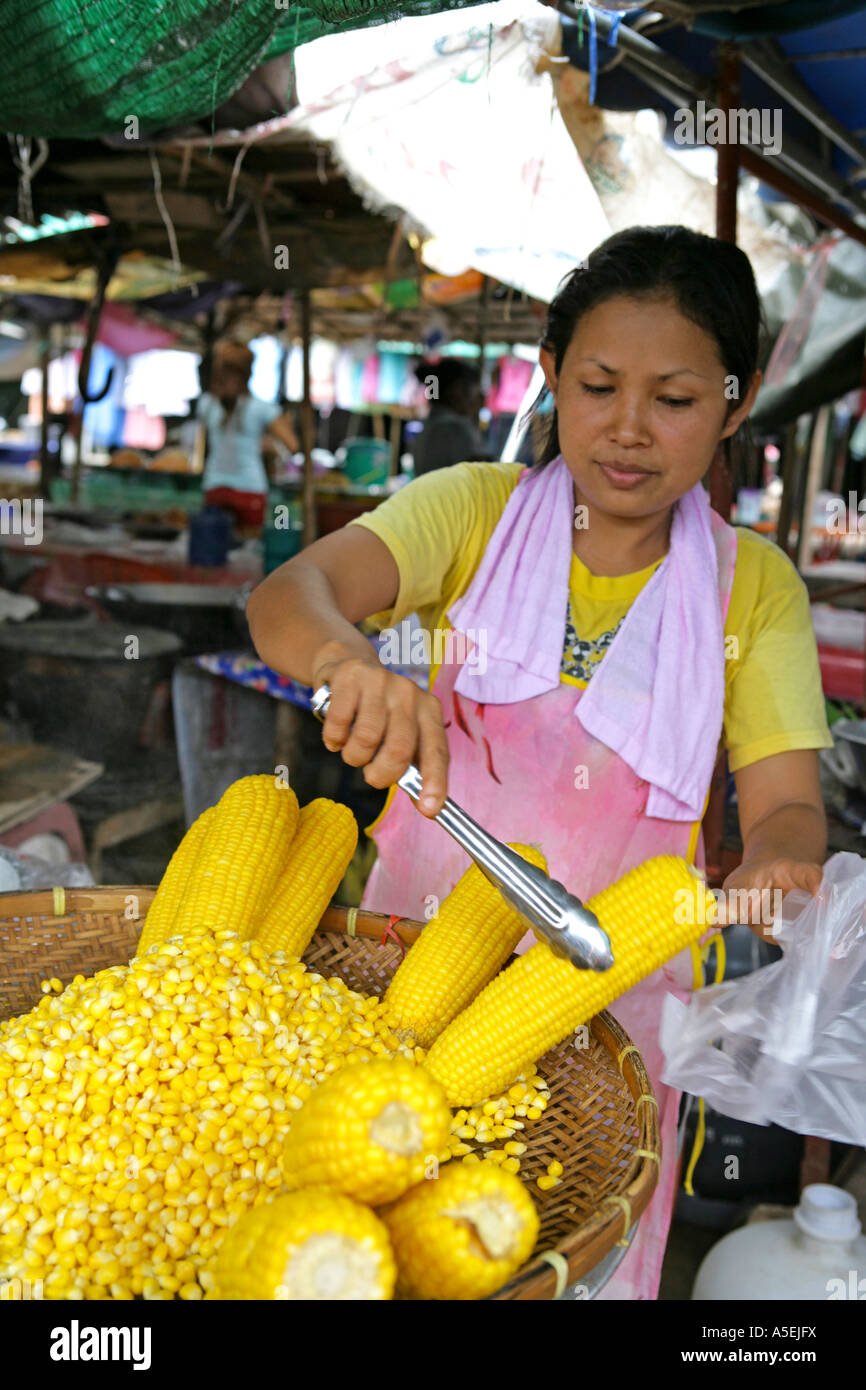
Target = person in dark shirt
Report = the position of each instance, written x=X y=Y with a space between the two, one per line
x=450 y=433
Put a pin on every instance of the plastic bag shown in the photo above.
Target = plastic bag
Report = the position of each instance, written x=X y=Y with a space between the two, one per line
x=787 y=1045
x=26 y=873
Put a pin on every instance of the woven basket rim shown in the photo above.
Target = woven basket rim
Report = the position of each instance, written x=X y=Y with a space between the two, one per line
x=611 y=1221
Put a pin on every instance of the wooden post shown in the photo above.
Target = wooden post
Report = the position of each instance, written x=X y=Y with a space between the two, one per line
x=45 y=468
x=308 y=493
x=728 y=152
x=483 y=316
x=396 y=440
x=727 y=173
x=719 y=474
x=789 y=478
x=814 y=478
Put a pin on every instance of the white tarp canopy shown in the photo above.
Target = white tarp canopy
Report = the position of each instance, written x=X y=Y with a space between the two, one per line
x=471 y=124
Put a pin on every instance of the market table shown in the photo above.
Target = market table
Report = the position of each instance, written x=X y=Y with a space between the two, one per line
x=62 y=572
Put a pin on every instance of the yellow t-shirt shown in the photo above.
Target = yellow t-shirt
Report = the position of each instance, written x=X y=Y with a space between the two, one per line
x=438 y=526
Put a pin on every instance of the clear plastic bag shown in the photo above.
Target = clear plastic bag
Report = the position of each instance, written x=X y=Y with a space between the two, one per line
x=26 y=873
x=787 y=1045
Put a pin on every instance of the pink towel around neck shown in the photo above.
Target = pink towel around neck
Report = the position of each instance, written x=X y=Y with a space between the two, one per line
x=657 y=698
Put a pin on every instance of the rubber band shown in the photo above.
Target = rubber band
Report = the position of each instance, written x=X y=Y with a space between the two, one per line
x=648 y=1153
x=351 y=921
x=622 y=1202
x=560 y=1269
x=650 y=1100
x=390 y=932
x=697 y=1147
x=626 y=1050
x=59 y=901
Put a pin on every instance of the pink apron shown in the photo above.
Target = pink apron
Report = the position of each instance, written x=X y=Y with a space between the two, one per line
x=528 y=772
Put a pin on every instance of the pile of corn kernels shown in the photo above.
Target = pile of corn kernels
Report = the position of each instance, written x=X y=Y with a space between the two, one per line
x=144 y=1108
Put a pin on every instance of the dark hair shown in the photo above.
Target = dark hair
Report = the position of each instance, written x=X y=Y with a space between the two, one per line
x=711 y=282
x=450 y=374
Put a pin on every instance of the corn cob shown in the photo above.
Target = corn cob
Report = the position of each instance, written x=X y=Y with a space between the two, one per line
x=175 y=882
x=310 y=1245
x=464 y=1235
x=456 y=954
x=325 y=840
x=242 y=856
x=371 y=1131
x=650 y=914
x=145 y=1109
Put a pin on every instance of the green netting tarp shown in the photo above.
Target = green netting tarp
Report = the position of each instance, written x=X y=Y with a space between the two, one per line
x=82 y=68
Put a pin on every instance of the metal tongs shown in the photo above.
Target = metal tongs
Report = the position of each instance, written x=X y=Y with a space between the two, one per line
x=570 y=929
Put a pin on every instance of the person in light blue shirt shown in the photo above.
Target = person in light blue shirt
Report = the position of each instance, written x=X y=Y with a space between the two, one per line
x=237 y=424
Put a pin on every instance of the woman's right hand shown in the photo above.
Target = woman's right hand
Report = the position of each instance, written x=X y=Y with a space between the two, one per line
x=383 y=721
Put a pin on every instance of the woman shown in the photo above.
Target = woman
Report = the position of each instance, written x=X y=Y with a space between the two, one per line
x=238 y=425
x=622 y=631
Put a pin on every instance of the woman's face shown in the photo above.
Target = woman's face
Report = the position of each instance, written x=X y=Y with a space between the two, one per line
x=641 y=405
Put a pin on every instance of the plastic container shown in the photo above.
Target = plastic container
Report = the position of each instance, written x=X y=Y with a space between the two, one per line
x=818 y=1256
x=280 y=546
x=210 y=534
x=364 y=461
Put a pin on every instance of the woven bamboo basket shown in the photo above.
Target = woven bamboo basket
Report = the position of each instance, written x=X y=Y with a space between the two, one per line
x=596 y=1124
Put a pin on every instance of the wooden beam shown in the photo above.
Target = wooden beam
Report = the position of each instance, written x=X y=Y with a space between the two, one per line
x=308 y=493
x=184 y=209
x=44 y=457
x=727 y=153
x=814 y=478
x=769 y=173
x=246 y=183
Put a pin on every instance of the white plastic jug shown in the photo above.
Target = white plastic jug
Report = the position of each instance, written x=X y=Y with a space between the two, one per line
x=819 y=1255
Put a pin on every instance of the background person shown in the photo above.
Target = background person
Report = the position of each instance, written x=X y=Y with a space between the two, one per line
x=450 y=433
x=238 y=426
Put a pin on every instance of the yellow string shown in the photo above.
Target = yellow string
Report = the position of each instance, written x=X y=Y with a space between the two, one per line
x=351 y=921
x=648 y=1153
x=697 y=965
x=621 y=1202
x=721 y=954
x=695 y=832
x=59 y=895
x=560 y=1268
x=651 y=1100
x=626 y=1050
x=700 y=1132
x=698 y=956
x=696 y=1148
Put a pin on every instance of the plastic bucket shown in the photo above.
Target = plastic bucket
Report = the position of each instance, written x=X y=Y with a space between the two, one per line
x=365 y=461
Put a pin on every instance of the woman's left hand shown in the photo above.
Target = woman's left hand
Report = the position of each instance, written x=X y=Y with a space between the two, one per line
x=753 y=892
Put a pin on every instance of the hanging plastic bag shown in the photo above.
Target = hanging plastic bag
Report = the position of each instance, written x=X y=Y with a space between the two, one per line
x=787 y=1044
